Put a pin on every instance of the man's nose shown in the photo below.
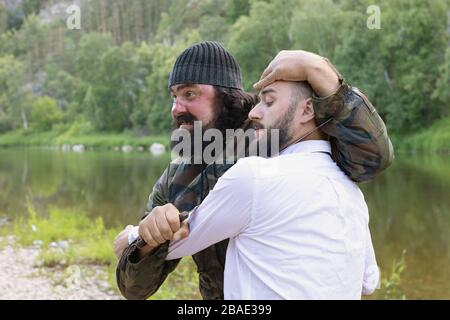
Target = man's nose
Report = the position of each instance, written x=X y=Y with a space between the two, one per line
x=178 y=108
x=255 y=113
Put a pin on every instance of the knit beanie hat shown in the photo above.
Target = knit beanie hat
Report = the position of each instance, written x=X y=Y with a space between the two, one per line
x=206 y=62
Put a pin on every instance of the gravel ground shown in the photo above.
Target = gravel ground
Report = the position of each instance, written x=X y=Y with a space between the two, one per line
x=22 y=278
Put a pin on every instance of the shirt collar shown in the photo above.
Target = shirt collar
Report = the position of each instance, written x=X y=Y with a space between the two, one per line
x=308 y=146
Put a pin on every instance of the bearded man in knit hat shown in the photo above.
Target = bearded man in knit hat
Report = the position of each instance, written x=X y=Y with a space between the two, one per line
x=206 y=86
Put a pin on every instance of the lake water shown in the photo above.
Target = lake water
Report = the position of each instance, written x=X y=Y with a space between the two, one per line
x=409 y=203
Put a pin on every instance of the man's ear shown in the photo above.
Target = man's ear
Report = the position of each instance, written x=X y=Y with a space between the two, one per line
x=307 y=113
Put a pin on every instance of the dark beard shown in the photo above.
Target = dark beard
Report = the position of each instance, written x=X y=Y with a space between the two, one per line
x=284 y=134
x=189 y=119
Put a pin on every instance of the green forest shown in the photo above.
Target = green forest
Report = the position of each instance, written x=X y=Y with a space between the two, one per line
x=110 y=76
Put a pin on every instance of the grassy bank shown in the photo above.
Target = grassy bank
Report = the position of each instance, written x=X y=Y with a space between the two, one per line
x=94 y=140
x=67 y=237
x=435 y=139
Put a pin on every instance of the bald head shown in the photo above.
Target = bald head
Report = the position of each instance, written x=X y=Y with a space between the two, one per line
x=300 y=90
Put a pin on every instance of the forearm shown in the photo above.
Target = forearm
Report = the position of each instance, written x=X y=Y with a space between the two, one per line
x=322 y=76
x=361 y=145
x=139 y=279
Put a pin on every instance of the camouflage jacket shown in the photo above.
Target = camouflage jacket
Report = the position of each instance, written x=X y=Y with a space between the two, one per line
x=361 y=148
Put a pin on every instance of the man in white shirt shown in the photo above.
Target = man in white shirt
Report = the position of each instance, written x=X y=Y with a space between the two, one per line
x=298 y=226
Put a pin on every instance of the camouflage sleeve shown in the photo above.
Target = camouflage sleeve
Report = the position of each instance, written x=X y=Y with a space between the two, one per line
x=359 y=139
x=199 y=188
x=139 y=279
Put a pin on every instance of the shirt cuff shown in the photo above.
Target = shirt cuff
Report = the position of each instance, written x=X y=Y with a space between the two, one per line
x=133 y=235
x=372 y=280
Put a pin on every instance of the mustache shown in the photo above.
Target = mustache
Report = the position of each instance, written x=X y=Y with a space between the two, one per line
x=185 y=118
x=256 y=125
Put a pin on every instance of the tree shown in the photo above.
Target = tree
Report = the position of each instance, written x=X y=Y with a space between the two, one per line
x=3 y=18
x=361 y=61
x=398 y=65
x=257 y=38
x=44 y=113
x=319 y=26
x=180 y=19
x=14 y=97
x=413 y=49
x=107 y=75
x=32 y=6
x=62 y=86
x=212 y=20
x=92 y=46
x=113 y=91
x=237 y=8
x=442 y=92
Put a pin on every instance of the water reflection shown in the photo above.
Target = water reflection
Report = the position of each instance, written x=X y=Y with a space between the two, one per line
x=410 y=209
x=113 y=185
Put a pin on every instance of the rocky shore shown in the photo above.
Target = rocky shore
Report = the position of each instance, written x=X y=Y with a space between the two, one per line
x=23 y=277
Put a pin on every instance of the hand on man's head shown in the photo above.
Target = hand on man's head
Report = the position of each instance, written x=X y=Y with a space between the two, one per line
x=288 y=65
x=299 y=65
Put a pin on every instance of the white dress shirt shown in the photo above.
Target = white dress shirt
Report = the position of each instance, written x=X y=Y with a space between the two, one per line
x=298 y=228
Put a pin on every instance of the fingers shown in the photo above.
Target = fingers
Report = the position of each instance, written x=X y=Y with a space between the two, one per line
x=160 y=225
x=183 y=232
x=289 y=65
x=145 y=234
x=264 y=82
x=266 y=72
x=172 y=216
x=154 y=231
x=164 y=228
x=270 y=73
